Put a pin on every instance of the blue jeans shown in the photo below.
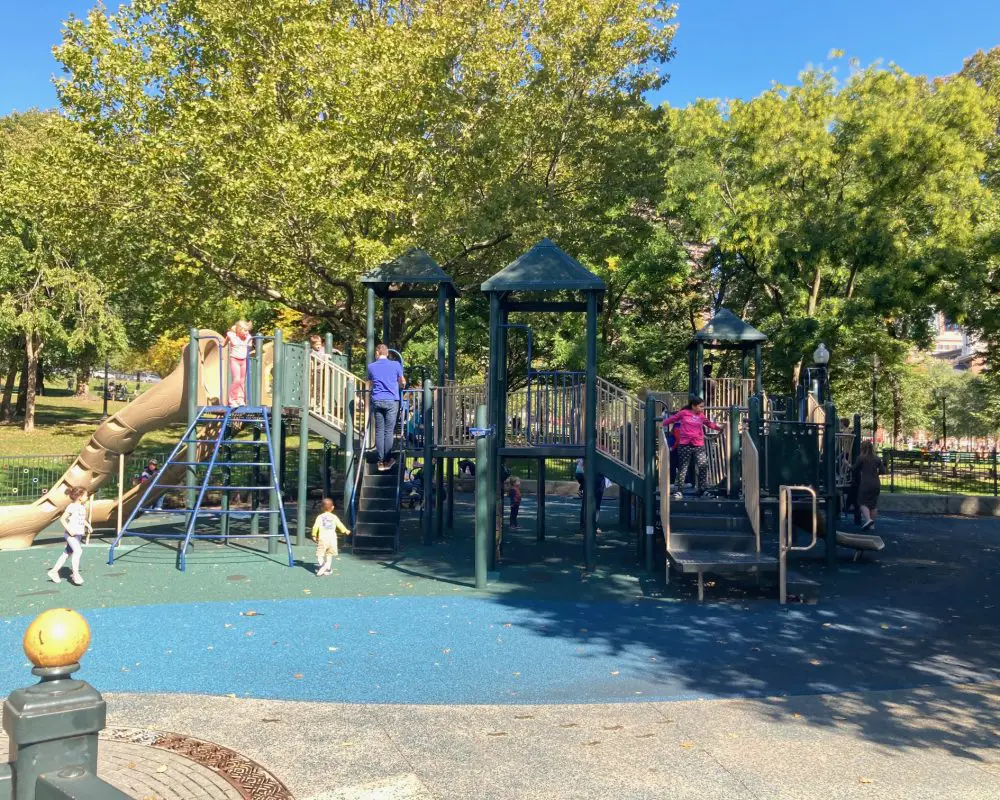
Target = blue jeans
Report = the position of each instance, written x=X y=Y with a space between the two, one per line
x=385 y=426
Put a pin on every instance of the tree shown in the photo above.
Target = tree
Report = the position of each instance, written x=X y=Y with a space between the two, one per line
x=287 y=147
x=50 y=295
x=834 y=210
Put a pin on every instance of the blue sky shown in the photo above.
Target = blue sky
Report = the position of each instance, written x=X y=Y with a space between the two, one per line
x=725 y=48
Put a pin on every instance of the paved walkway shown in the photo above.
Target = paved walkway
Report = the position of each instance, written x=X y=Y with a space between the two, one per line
x=557 y=683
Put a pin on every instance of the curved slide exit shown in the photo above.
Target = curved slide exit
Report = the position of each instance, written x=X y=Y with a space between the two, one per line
x=164 y=404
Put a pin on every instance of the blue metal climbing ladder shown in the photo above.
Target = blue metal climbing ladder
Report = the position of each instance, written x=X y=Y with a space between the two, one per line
x=214 y=433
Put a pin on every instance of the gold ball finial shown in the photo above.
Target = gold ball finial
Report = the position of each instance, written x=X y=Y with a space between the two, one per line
x=56 y=638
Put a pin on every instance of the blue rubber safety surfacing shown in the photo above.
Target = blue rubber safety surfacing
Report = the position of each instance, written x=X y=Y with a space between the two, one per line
x=472 y=650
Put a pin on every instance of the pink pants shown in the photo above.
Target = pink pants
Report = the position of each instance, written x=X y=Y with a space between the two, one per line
x=237 y=381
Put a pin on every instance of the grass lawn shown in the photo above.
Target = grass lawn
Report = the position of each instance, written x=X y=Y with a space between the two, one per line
x=63 y=424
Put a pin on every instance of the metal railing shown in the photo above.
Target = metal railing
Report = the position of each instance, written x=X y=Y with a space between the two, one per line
x=23 y=479
x=455 y=414
x=751 y=482
x=728 y=392
x=328 y=384
x=549 y=410
x=845 y=447
x=786 y=532
x=620 y=420
x=663 y=481
x=942 y=472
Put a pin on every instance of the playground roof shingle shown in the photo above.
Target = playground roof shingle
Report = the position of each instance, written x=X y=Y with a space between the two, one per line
x=544 y=268
x=412 y=267
x=725 y=326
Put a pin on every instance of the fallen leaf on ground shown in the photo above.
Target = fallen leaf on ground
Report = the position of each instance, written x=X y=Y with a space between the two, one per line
x=248 y=614
x=687 y=745
x=615 y=672
x=815 y=662
x=132 y=765
x=298 y=676
x=161 y=768
x=497 y=733
x=864 y=780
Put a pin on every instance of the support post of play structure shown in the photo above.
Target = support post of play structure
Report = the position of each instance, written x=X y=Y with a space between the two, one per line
x=649 y=484
x=302 y=485
x=451 y=377
x=190 y=478
x=370 y=328
x=758 y=371
x=753 y=420
x=349 y=445
x=590 y=439
x=735 y=472
x=273 y=501
x=540 y=512
x=428 y=475
x=442 y=330
x=830 y=481
x=121 y=491
x=482 y=500
x=492 y=398
x=856 y=444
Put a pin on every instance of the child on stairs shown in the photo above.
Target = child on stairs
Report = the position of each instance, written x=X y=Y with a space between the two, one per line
x=690 y=432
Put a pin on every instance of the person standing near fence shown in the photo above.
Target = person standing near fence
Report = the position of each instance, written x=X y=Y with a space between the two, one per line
x=385 y=379
x=868 y=468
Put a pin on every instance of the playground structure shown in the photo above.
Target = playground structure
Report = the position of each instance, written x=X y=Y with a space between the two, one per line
x=775 y=467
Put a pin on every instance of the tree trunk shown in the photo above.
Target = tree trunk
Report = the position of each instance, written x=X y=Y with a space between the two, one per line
x=8 y=391
x=22 y=390
x=33 y=350
x=83 y=376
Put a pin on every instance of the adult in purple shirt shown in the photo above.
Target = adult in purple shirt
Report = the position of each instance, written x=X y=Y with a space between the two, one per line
x=385 y=379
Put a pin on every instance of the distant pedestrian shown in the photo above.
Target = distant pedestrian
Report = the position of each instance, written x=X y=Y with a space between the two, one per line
x=147 y=477
x=868 y=467
x=601 y=484
x=385 y=379
x=75 y=527
x=514 y=494
x=690 y=433
x=239 y=341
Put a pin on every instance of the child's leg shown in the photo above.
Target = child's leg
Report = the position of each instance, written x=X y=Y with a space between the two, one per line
x=63 y=557
x=701 y=461
x=320 y=556
x=73 y=544
x=237 y=377
x=328 y=564
x=514 y=508
x=684 y=453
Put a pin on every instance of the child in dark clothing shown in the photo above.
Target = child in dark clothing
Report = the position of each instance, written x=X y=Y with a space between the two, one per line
x=514 y=494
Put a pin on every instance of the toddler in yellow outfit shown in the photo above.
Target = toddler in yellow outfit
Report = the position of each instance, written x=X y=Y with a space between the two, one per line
x=325 y=530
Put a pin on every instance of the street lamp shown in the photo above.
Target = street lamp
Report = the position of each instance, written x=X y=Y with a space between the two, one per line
x=106 y=368
x=874 y=396
x=821 y=357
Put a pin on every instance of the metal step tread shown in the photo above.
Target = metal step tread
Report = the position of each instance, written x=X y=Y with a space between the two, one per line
x=721 y=560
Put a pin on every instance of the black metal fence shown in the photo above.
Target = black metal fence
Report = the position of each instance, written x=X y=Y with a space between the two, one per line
x=949 y=472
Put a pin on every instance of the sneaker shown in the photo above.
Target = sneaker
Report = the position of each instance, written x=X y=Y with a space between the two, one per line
x=678 y=495
x=381 y=466
x=390 y=464
x=53 y=575
x=76 y=579
x=868 y=526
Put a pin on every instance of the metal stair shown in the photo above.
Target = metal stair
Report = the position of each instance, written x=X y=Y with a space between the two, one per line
x=376 y=528
x=219 y=452
x=713 y=535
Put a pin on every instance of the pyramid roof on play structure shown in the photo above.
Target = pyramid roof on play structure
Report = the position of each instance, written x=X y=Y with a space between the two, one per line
x=727 y=328
x=414 y=267
x=544 y=268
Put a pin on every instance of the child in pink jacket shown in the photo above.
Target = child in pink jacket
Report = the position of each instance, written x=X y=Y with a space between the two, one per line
x=690 y=434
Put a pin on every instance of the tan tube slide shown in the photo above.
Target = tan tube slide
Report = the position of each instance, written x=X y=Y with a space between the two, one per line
x=163 y=404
